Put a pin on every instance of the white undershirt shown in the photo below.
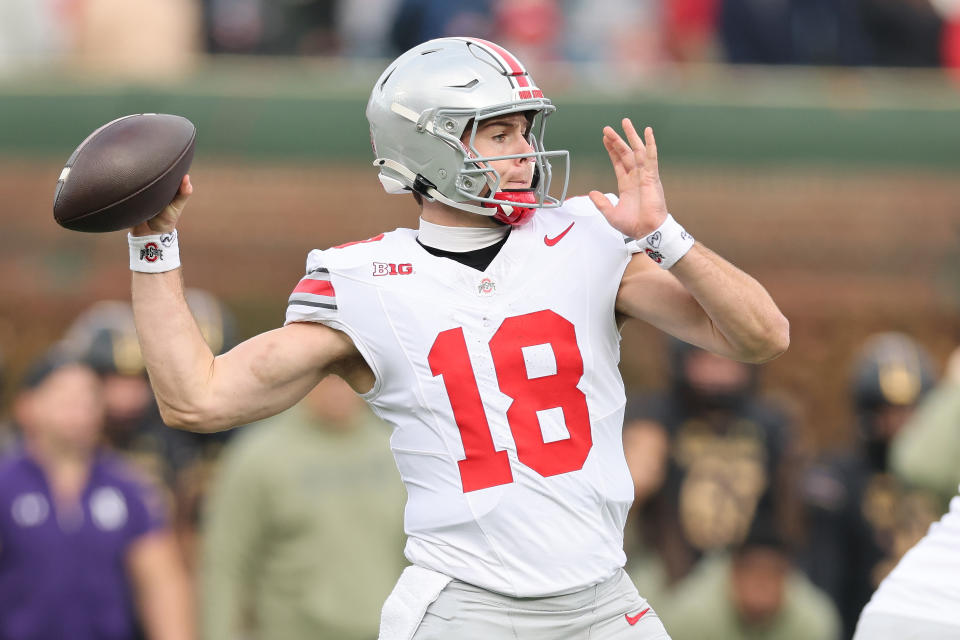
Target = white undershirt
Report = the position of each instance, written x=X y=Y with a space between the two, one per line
x=459 y=239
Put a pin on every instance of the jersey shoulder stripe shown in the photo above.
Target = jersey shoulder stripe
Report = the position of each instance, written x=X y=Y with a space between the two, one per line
x=314 y=299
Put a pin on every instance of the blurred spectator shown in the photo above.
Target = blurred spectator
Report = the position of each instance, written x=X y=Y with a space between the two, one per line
x=623 y=38
x=153 y=39
x=272 y=27
x=303 y=533
x=823 y=32
x=690 y=28
x=417 y=21
x=755 y=593
x=31 y=32
x=903 y=33
x=860 y=519
x=530 y=29
x=364 y=27
x=105 y=335
x=176 y=461
x=85 y=552
x=949 y=12
x=233 y=26
x=728 y=460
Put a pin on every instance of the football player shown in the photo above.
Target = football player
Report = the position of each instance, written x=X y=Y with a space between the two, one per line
x=488 y=338
x=920 y=597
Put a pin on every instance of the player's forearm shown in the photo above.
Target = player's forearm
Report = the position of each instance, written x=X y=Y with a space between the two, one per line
x=176 y=356
x=739 y=308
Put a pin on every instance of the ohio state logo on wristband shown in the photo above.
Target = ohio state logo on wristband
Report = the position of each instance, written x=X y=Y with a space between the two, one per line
x=151 y=252
x=154 y=253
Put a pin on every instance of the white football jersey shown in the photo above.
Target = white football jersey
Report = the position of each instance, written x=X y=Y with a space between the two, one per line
x=504 y=394
x=925 y=584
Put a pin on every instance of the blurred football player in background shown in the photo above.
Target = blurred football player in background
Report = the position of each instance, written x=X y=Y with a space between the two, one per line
x=727 y=461
x=86 y=550
x=106 y=337
x=860 y=518
x=489 y=339
x=303 y=532
x=920 y=598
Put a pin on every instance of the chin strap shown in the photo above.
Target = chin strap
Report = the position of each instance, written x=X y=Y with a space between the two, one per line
x=428 y=189
x=511 y=213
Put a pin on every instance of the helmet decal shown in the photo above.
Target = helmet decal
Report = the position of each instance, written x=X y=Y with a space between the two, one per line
x=515 y=72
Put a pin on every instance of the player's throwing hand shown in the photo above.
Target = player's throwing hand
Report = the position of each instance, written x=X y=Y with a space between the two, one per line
x=166 y=220
x=642 y=206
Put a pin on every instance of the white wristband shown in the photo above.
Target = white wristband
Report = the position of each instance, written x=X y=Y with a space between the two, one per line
x=667 y=244
x=155 y=253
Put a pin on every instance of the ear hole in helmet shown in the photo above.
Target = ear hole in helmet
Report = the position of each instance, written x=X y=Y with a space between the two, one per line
x=421 y=185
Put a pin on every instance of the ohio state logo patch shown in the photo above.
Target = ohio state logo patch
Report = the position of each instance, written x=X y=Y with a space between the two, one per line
x=656 y=256
x=151 y=252
x=486 y=287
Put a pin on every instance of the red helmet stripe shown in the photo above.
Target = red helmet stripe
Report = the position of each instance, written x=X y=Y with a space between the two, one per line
x=517 y=73
x=516 y=69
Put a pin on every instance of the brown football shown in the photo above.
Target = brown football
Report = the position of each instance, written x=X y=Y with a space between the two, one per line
x=124 y=173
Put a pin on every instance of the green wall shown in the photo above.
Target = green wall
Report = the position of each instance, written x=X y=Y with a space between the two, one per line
x=302 y=110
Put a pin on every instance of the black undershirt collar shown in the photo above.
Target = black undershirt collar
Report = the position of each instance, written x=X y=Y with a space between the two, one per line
x=478 y=259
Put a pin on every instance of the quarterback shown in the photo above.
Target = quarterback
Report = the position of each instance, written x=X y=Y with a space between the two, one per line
x=488 y=337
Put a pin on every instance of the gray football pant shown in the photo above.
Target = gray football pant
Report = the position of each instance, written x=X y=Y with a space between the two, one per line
x=603 y=612
x=886 y=626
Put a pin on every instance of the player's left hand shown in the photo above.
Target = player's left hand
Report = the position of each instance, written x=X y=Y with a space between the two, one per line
x=642 y=206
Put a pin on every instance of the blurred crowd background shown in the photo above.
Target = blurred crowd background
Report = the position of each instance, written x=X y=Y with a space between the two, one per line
x=628 y=33
x=812 y=142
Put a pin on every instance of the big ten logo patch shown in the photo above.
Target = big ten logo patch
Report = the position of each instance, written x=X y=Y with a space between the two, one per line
x=388 y=269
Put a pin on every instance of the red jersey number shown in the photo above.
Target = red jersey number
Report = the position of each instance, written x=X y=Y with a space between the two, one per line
x=484 y=466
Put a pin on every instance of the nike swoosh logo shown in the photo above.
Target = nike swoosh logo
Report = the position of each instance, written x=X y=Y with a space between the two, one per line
x=547 y=240
x=632 y=620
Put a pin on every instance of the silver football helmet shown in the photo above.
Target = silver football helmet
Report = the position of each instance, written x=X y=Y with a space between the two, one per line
x=421 y=107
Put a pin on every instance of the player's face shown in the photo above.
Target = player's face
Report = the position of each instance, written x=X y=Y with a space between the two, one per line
x=66 y=410
x=758 y=579
x=506 y=135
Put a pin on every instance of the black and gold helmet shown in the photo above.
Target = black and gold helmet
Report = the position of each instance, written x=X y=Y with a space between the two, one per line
x=106 y=337
x=891 y=369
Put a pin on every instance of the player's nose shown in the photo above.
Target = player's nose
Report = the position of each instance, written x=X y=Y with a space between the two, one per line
x=523 y=146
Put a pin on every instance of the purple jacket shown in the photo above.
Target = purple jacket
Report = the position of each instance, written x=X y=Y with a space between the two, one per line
x=63 y=573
